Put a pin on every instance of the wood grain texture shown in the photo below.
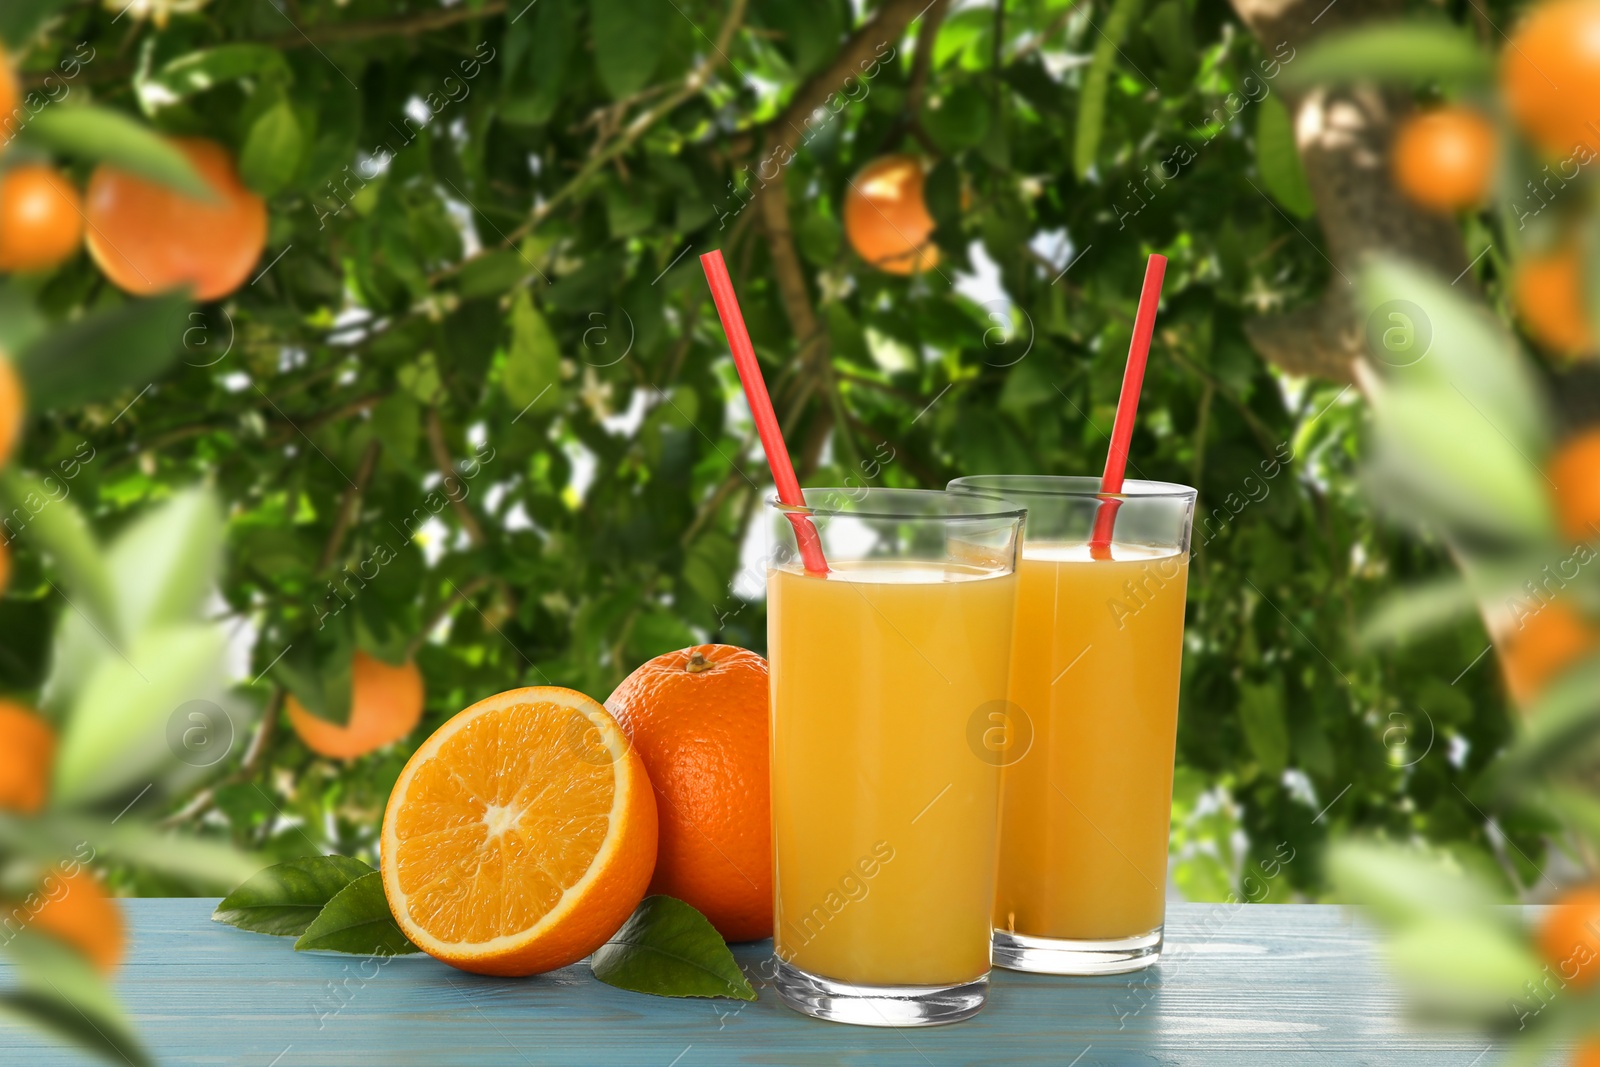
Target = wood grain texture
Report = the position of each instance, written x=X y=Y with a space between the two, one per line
x=1244 y=985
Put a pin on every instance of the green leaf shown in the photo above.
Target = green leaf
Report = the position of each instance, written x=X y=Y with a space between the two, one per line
x=285 y=899
x=59 y=529
x=199 y=71
x=96 y=357
x=1404 y=886
x=357 y=920
x=533 y=365
x=492 y=273
x=961 y=119
x=1558 y=731
x=1411 y=52
x=58 y=991
x=165 y=564
x=627 y=42
x=1418 y=609
x=19 y=19
x=1266 y=728
x=272 y=149
x=1092 y=97
x=115 y=736
x=1279 y=161
x=316 y=670
x=668 y=949
x=1462 y=965
x=1469 y=351
x=207 y=864
x=95 y=134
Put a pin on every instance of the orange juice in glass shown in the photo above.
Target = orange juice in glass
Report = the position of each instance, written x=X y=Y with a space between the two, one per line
x=885 y=825
x=1087 y=740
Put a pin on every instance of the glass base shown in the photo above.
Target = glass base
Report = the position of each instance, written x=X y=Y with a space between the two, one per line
x=879 y=1005
x=1055 y=955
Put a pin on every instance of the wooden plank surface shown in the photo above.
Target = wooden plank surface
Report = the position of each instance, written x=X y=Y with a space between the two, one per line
x=1254 y=984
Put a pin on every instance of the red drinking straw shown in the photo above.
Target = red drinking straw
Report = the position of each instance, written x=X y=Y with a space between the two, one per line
x=1144 y=325
x=755 y=391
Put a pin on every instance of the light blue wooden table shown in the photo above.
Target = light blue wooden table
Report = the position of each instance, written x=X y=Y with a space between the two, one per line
x=1253 y=984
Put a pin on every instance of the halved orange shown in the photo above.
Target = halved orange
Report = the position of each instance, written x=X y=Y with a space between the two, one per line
x=521 y=835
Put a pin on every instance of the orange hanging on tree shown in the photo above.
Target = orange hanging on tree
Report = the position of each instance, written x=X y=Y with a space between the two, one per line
x=1547 y=290
x=1541 y=645
x=887 y=219
x=698 y=718
x=1444 y=158
x=1575 y=472
x=1550 y=75
x=1569 y=937
x=385 y=705
x=87 y=918
x=41 y=218
x=10 y=98
x=27 y=755
x=148 y=238
x=11 y=409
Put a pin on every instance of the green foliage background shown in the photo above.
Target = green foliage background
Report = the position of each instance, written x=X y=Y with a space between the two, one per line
x=484 y=228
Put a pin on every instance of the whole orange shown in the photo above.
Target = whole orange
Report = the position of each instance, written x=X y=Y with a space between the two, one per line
x=10 y=97
x=1569 y=936
x=698 y=718
x=1547 y=289
x=41 y=218
x=86 y=917
x=385 y=705
x=148 y=238
x=1548 y=641
x=1550 y=74
x=27 y=754
x=1575 y=472
x=11 y=409
x=886 y=217
x=1443 y=159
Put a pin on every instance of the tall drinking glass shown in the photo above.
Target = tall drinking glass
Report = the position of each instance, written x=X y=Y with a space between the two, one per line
x=1087 y=740
x=884 y=824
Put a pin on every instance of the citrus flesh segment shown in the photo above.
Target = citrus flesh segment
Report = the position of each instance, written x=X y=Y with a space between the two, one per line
x=521 y=835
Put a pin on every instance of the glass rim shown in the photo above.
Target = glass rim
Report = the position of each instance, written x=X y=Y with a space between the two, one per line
x=943 y=507
x=1069 y=486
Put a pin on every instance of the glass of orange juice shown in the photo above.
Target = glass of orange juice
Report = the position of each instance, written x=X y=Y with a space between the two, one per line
x=884 y=825
x=1086 y=742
